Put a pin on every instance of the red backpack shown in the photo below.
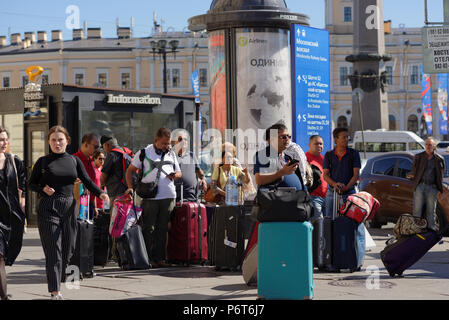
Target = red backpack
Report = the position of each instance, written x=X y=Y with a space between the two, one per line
x=127 y=158
x=360 y=207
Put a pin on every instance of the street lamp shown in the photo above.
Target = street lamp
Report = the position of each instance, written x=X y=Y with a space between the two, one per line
x=160 y=47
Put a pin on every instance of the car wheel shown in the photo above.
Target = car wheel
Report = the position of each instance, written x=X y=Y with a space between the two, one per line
x=374 y=223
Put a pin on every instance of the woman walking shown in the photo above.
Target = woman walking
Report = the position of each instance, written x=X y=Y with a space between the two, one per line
x=53 y=178
x=12 y=208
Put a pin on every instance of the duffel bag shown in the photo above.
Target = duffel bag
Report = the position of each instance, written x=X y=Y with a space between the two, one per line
x=283 y=204
x=361 y=207
x=408 y=225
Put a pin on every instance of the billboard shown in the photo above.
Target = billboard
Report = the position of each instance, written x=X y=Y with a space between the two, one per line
x=311 y=78
x=442 y=101
x=217 y=73
x=426 y=97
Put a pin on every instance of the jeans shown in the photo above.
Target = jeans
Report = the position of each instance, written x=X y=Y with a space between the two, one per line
x=319 y=207
x=426 y=195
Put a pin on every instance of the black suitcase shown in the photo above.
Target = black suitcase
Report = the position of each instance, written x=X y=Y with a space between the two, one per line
x=102 y=239
x=132 y=251
x=228 y=237
x=322 y=243
x=83 y=256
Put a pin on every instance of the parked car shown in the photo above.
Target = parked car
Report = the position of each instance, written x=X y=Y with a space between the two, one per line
x=442 y=144
x=385 y=177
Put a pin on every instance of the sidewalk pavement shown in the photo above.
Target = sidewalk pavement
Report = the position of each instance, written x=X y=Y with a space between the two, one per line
x=427 y=280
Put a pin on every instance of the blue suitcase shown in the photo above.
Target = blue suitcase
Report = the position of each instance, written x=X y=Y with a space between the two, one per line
x=348 y=244
x=285 y=262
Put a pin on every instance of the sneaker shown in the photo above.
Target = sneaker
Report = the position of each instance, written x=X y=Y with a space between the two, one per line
x=57 y=297
x=7 y=297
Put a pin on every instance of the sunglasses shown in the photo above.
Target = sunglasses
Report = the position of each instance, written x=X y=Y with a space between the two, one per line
x=285 y=137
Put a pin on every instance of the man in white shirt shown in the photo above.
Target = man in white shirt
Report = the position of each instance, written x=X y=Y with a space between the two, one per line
x=156 y=211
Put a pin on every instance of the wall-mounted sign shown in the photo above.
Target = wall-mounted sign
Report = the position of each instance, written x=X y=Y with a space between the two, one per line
x=121 y=99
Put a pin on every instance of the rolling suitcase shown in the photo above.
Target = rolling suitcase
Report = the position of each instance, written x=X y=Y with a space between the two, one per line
x=187 y=239
x=322 y=243
x=102 y=241
x=210 y=210
x=323 y=234
x=285 y=270
x=400 y=254
x=132 y=251
x=228 y=233
x=83 y=256
x=348 y=249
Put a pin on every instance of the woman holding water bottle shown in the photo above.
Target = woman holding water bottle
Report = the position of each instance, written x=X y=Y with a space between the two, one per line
x=223 y=172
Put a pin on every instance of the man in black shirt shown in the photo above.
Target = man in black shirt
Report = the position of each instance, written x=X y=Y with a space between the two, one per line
x=112 y=174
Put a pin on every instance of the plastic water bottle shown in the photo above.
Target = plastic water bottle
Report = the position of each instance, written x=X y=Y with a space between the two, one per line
x=232 y=192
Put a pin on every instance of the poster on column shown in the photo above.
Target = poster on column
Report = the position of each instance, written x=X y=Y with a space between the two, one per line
x=426 y=96
x=311 y=94
x=442 y=101
x=263 y=86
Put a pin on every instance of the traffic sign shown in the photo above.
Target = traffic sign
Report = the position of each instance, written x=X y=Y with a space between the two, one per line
x=435 y=44
x=311 y=85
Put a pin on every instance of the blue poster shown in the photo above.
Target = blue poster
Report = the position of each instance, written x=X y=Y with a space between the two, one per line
x=442 y=101
x=195 y=78
x=426 y=96
x=311 y=89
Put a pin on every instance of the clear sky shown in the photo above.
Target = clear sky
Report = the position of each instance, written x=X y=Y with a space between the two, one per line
x=19 y=16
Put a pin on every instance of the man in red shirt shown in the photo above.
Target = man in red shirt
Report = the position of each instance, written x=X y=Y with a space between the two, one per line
x=315 y=157
x=89 y=144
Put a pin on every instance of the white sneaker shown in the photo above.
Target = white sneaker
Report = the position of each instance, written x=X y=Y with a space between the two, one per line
x=57 y=297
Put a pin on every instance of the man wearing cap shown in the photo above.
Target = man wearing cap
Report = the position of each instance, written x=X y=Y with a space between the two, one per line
x=112 y=173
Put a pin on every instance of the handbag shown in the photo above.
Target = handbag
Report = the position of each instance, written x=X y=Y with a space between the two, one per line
x=408 y=225
x=124 y=216
x=147 y=190
x=283 y=204
x=210 y=196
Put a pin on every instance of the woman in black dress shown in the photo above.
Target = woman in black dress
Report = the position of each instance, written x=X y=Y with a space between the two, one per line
x=53 y=178
x=12 y=207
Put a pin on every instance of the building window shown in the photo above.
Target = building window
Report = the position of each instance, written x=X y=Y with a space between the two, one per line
x=126 y=80
x=79 y=79
x=344 y=72
x=174 y=77
x=45 y=79
x=347 y=14
x=342 y=122
x=392 y=122
x=203 y=77
x=102 y=79
x=389 y=70
x=6 y=82
x=412 y=123
x=25 y=81
x=415 y=75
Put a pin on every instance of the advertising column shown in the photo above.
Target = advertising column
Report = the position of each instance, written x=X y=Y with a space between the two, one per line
x=311 y=94
x=263 y=84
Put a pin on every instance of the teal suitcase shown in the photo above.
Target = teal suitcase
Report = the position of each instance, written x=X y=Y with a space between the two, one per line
x=285 y=261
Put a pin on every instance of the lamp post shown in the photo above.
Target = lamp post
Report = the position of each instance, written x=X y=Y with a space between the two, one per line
x=160 y=47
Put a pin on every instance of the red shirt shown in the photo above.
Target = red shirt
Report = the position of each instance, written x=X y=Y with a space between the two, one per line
x=98 y=183
x=318 y=161
x=88 y=165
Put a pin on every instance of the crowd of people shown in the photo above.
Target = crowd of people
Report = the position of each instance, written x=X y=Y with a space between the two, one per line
x=111 y=173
